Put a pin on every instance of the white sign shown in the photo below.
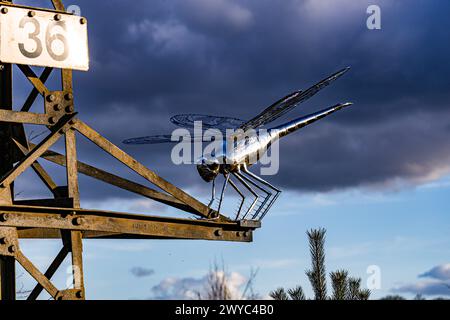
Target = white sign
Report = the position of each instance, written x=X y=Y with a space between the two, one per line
x=43 y=38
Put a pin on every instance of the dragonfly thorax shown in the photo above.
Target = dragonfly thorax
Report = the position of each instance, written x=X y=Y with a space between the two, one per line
x=231 y=156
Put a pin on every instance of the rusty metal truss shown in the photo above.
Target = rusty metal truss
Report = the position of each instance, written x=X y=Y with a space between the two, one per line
x=61 y=216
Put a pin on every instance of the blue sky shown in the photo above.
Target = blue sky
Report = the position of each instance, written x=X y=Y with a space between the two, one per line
x=376 y=176
x=404 y=232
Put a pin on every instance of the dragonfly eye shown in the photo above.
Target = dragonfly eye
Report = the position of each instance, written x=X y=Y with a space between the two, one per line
x=208 y=172
x=213 y=166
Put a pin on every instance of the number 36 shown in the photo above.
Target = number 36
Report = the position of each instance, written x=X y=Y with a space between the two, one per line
x=49 y=39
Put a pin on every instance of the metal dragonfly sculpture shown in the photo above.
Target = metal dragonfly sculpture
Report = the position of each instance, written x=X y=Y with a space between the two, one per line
x=234 y=161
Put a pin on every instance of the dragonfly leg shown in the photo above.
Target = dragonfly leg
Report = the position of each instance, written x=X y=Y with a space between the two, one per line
x=249 y=188
x=242 y=196
x=213 y=193
x=262 y=181
x=227 y=177
x=265 y=190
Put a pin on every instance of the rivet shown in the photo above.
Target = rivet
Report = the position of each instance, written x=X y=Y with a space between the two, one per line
x=31 y=14
x=4 y=10
x=57 y=17
x=52 y=120
x=83 y=20
x=12 y=249
x=218 y=232
x=246 y=234
x=69 y=109
x=51 y=98
x=57 y=107
x=79 y=294
x=3 y=240
x=77 y=221
x=68 y=96
x=4 y=217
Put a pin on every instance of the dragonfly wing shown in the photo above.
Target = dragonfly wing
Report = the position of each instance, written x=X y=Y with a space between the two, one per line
x=167 y=138
x=289 y=102
x=207 y=121
x=162 y=138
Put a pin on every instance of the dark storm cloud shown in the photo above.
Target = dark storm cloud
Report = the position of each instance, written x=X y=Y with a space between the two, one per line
x=154 y=59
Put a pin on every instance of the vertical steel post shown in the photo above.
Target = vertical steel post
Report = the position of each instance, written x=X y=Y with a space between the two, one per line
x=7 y=264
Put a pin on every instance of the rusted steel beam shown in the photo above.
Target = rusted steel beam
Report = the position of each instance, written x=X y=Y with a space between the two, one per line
x=42 y=233
x=7 y=278
x=34 y=79
x=25 y=117
x=36 y=274
x=140 y=169
x=50 y=272
x=8 y=238
x=122 y=223
x=119 y=182
x=10 y=248
x=58 y=131
x=54 y=203
x=76 y=248
x=58 y=5
x=7 y=263
x=39 y=170
x=71 y=168
x=34 y=92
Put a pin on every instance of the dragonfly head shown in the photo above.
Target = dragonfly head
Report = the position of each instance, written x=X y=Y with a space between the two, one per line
x=208 y=169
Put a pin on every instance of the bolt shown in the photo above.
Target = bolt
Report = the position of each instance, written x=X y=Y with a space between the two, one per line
x=68 y=96
x=77 y=221
x=83 y=21
x=69 y=109
x=12 y=249
x=52 y=120
x=4 y=217
x=213 y=214
x=218 y=233
x=79 y=294
x=4 y=10
x=57 y=17
x=51 y=98
x=31 y=14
